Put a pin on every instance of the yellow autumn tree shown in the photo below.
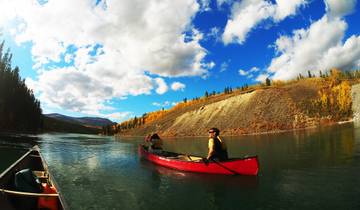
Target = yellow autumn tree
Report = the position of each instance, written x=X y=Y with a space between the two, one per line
x=343 y=96
x=335 y=100
x=324 y=100
x=334 y=77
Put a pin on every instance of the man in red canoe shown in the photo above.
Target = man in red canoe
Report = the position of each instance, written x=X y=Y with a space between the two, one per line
x=217 y=147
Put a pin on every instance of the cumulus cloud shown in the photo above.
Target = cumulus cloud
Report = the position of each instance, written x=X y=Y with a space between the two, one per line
x=247 y=14
x=319 y=47
x=262 y=77
x=336 y=8
x=222 y=2
x=177 y=86
x=243 y=72
x=162 y=86
x=249 y=73
x=118 y=116
x=117 y=42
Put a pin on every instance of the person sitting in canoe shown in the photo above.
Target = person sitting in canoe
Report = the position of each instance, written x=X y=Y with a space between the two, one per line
x=155 y=143
x=217 y=147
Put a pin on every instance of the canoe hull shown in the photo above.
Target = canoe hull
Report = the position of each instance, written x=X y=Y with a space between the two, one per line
x=34 y=161
x=235 y=166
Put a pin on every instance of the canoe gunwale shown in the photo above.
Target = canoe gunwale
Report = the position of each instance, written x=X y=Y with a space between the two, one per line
x=34 y=152
x=12 y=166
x=192 y=161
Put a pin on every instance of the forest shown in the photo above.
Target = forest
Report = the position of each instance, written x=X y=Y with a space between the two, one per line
x=19 y=109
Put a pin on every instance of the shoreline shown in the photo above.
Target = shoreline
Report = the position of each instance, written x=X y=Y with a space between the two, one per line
x=249 y=134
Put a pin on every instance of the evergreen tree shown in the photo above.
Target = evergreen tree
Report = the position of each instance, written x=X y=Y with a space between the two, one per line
x=19 y=109
x=309 y=74
x=267 y=81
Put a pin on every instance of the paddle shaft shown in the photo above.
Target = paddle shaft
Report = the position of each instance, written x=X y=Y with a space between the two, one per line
x=220 y=164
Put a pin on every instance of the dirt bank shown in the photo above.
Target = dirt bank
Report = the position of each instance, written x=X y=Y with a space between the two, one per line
x=272 y=109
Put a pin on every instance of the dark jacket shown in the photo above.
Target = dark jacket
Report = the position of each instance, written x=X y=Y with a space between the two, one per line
x=220 y=151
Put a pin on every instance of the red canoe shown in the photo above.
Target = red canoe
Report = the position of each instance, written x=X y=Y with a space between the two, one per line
x=233 y=166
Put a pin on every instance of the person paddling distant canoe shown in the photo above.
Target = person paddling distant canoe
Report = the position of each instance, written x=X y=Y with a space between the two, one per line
x=217 y=147
x=155 y=143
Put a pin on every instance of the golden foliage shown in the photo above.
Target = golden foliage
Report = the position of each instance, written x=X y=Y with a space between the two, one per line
x=278 y=83
x=334 y=77
x=152 y=116
x=343 y=93
x=335 y=100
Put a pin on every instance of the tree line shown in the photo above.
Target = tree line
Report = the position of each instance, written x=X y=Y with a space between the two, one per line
x=335 y=99
x=19 y=109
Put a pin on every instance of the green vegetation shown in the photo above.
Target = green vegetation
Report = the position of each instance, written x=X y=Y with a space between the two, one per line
x=19 y=110
x=55 y=125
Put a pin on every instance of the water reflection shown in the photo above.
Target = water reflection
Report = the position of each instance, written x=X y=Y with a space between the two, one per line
x=318 y=168
x=207 y=180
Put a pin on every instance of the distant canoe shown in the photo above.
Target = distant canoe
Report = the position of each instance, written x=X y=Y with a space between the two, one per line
x=11 y=199
x=233 y=166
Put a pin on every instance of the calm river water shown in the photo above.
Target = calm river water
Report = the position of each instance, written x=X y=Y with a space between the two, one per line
x=312 y=169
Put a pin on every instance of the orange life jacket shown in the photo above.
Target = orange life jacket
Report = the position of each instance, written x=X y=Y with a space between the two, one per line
x=50 y=203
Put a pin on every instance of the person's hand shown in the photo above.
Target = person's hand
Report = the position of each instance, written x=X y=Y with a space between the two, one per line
x=205 y=160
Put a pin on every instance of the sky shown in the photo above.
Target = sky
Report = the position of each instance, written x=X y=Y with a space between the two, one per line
x=123 y=58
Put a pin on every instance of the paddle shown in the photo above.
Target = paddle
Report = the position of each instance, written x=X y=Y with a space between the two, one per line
x=206 y=161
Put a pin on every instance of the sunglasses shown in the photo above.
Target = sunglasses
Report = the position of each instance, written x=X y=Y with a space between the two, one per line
x=211 y=131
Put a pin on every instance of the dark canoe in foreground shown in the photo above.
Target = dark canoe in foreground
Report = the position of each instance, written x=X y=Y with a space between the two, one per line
x=233 y=166
x=13 y=199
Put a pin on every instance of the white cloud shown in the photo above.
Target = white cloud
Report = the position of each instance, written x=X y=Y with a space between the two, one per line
x=205 y=5
x=162 y=86
x=254 y=69
x=132 y=37
x=319 y=47
x=165 y=104
x=247 y=14
x=68 y=58
x=243 y=72
x=284 y=8
x=249 y=73
x=346 y=56
x=210 y=65
x=224 y=66
x=177 y=86
x=262 y=77
x=222 y=2
x=338 y=8
x=214 y=34
x=156 y=104
x=74 y=90
x=118 y=116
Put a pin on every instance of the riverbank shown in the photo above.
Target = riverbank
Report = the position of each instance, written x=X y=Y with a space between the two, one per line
x=303 y=104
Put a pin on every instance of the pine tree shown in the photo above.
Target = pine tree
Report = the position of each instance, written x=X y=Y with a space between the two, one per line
x=19 y=109
x=267 y=81
x=206 y=94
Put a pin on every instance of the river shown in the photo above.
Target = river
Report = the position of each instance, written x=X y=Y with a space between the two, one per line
x=309 y=169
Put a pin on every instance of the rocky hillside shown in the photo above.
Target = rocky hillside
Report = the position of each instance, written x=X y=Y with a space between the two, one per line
x=277 y=108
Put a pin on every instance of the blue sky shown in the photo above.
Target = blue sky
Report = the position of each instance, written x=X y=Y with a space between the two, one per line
x=120 y=59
